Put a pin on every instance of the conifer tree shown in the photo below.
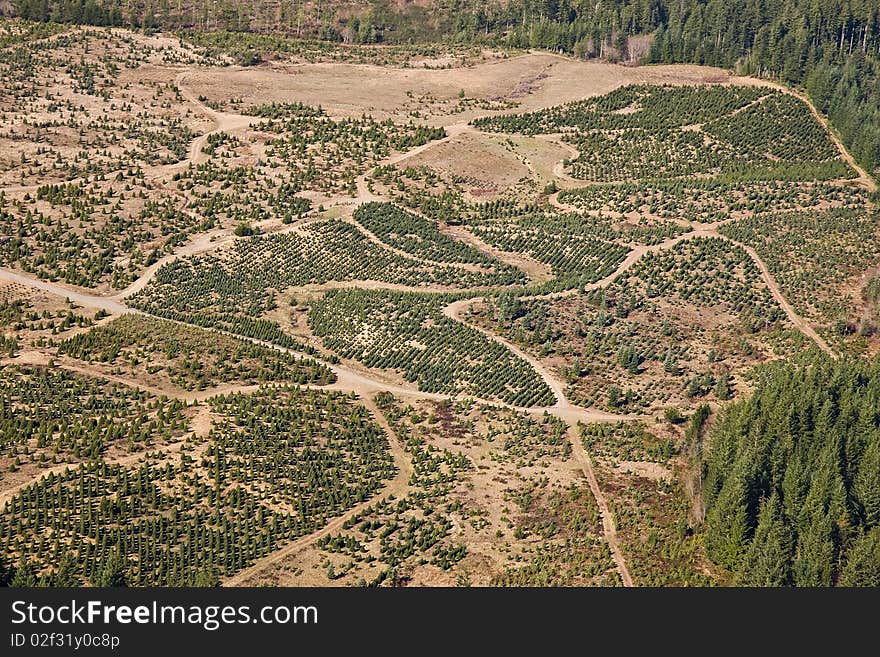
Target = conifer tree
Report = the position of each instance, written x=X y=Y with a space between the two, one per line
x=24 y=575
x=862 y=567
x=65 y=576
x=112 y=573
x=768 y=559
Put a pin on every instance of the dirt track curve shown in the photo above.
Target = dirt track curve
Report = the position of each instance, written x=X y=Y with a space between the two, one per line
x=397 y=487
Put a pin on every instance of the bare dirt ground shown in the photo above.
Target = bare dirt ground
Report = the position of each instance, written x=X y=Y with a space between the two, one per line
x=80 y=297
x=534 y=80
x=647 y=469
x=480 y=159
x=545 y=155
x=586 y=464
x=481 y=521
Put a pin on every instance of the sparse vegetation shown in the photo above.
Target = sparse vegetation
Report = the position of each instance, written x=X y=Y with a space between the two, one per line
x=745 y=133
x=188 y=357
x=237 y=496
x=409 y=333
x=238 y=306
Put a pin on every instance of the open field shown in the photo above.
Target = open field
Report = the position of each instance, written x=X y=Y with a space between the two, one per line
x=327 y=323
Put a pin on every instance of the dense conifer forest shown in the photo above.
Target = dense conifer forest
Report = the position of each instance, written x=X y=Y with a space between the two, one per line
x=792 y=479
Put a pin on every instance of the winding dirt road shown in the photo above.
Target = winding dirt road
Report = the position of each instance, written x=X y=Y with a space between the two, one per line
x=864 y=179
x=397 y=487
x=454 y=311
x=223 y=122
x=76 y=295
x=800 y=323
x=202 y=244
x=608 y=527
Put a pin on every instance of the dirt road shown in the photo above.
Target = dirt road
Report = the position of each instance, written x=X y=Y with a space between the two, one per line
x=223 y=122
x=365 y=385
x=76 y=295
x=864 y=179
x=454 y=311
x=202 y=244
x=397 y=487
x=608 y=526
x=800 y=323
x=538 y=272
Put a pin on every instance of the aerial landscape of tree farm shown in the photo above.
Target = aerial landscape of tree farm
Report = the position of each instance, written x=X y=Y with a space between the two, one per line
x=357 y=294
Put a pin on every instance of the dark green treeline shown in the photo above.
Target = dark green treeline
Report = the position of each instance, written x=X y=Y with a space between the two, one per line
x=792 y=479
